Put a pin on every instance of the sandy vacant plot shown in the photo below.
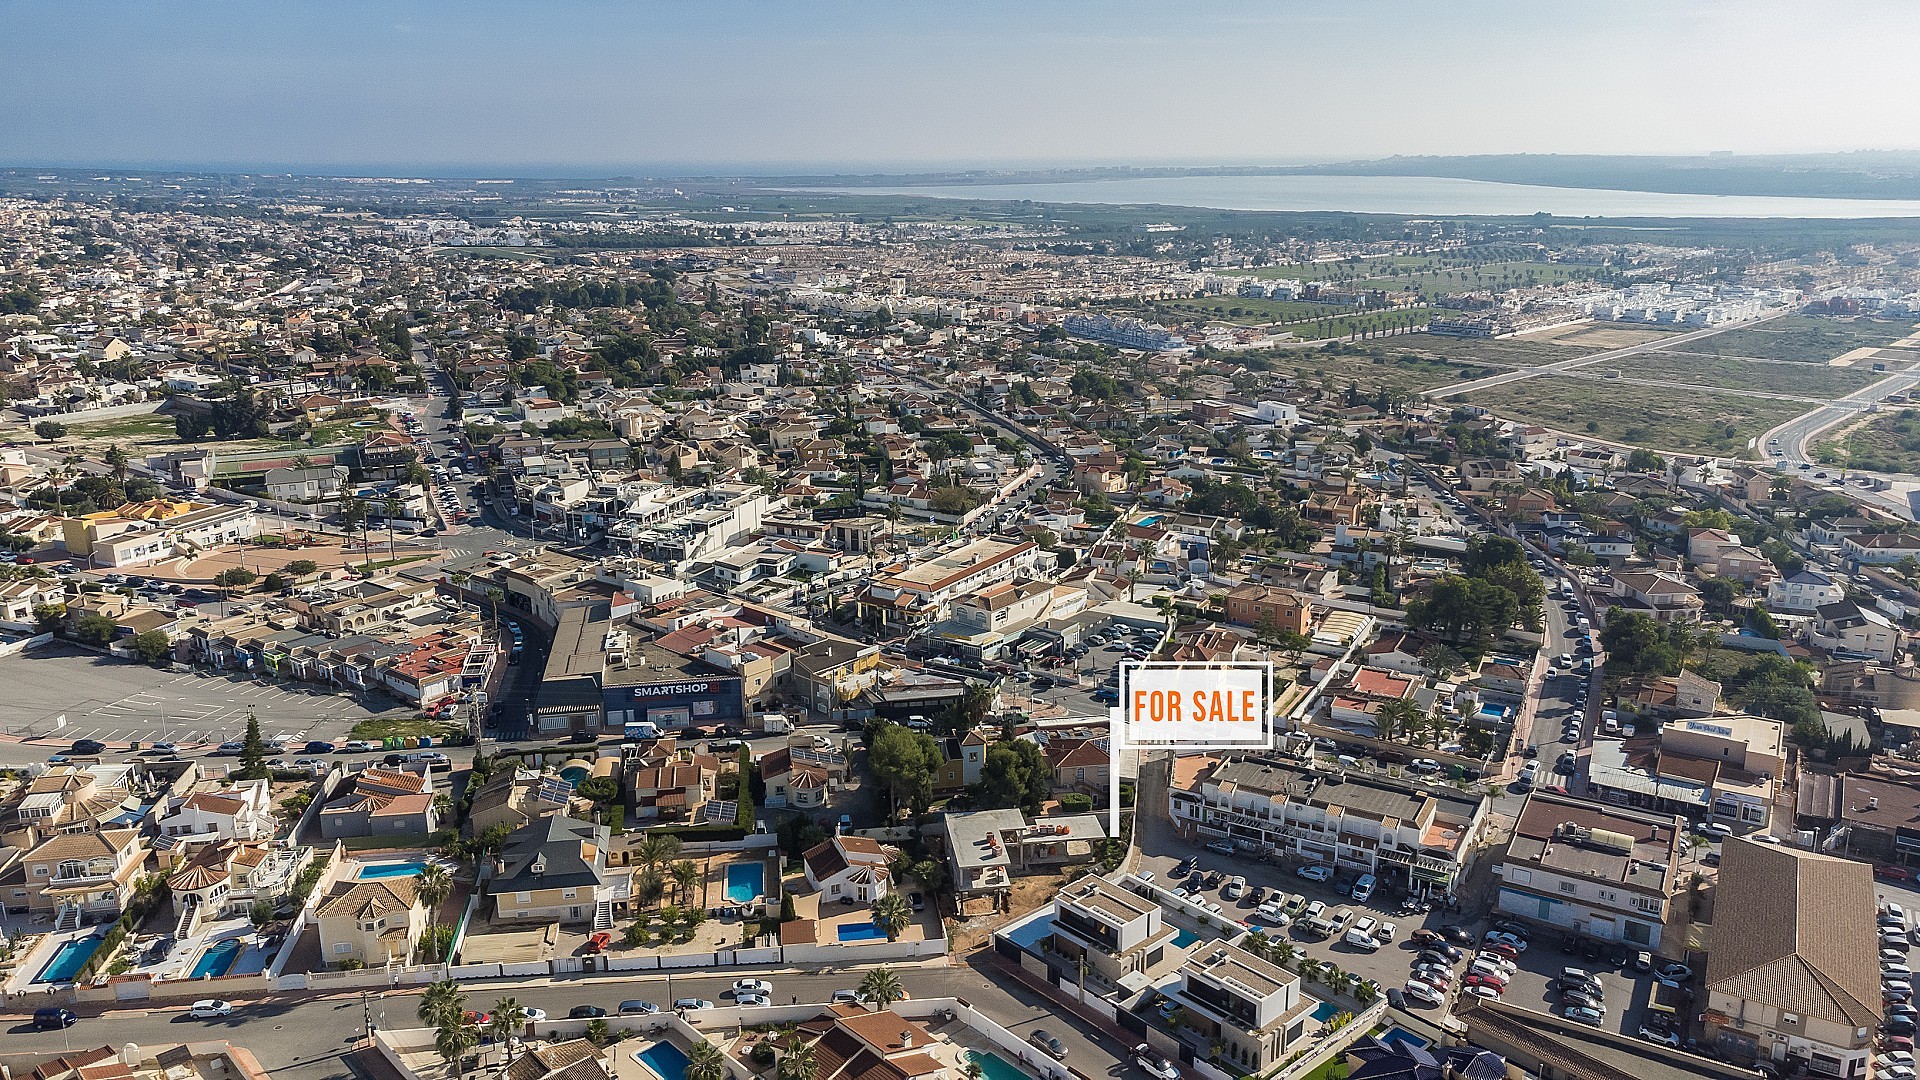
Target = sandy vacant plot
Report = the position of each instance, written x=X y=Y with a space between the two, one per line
x=1596 y=337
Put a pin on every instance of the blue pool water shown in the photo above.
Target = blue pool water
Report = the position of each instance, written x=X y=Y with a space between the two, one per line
x=1399 y=1035
x=745 y=882
x=865 y=931
x=995 y=1067
x=1325 y=1011
x=69 y=960
x=377 y=871
x=665 y=1059
x=1183 y=938
x=216 y=960
x=1028 y=935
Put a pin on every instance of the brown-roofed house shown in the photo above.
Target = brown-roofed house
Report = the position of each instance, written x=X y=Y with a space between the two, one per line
x=1792 y=969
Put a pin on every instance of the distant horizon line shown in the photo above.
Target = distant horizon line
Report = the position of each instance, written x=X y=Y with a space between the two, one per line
x=661 y=171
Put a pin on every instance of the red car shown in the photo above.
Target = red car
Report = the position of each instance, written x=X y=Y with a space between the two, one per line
x=1485 y=980
x=1503 y=949
x=478 y=1019
x=599 y=941
x=1884 y=873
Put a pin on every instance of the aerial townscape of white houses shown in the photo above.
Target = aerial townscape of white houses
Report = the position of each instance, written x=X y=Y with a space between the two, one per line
x=731 y=596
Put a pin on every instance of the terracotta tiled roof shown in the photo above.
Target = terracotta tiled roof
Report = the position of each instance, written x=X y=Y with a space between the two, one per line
x=1794 y=929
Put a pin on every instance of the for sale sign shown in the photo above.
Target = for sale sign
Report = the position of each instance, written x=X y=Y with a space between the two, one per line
x=1179 y=706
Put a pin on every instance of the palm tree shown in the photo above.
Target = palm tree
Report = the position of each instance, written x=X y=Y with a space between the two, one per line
x=705 y=1062
x=1256 y=942
x=881 y=987
x=508 y=1020
x=443 y=1004
x=891 y=914
x=494 y=596
x=391 y=508
x=800 y=1062
x=1282 y=952
x=685 y=876
x=432 y=885
x=454 y=1042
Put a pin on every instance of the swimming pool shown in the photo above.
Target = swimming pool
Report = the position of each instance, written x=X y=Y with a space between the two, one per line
x=1029 y=934
x=995 y=1067
x=1183 y=938
x=864 y=931
x=745 y=882
x=69 y=960
x=668 y=1061
x=1326 y=1011
x=378 y=871
x=217 y=959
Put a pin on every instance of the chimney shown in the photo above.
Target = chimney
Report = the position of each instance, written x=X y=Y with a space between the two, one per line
x=906 y=1040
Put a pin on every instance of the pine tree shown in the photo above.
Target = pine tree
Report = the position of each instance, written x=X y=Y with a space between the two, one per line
x=253 y=750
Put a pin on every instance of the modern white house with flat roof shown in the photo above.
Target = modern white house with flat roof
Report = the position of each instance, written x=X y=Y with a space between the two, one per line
x=1252 y=1008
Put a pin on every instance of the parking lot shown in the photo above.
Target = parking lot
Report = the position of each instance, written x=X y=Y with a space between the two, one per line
x=117 y=702
x=1075 y=685
x=1626 y=992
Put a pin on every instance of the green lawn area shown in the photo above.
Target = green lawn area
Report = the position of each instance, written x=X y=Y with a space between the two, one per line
x=1397 y=370
x=1652 y=416
x=1883 y=442
x=1812 y=380
x=382 y=727
x=1434 y=274
x=1254 y=310
x=483 y=252
x=142 y=428
x=1807 y=339
x=1501 y=352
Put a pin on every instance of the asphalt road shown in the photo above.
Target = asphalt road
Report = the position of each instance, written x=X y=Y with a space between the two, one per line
x=1794 y=438
x=304 y=1040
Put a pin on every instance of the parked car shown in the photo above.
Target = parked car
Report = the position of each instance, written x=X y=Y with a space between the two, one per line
x=1580 y=1014
x=1315 y=872
x=1045 y=1040
x=87 y=747
x=1424 y=992
x=53 y=1019
x=637 y=1007
x=586 y=1012
x=209 y=1009
x=1154 y=1064
x=691 y=1004
x=318 y=747
x=752 y=986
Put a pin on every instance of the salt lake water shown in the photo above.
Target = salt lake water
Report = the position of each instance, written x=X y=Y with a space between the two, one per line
x=1438 y=195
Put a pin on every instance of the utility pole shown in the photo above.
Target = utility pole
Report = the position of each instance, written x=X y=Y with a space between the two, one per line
x=366 y=1013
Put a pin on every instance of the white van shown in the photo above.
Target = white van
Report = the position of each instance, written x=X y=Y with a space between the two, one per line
x=1363 y=889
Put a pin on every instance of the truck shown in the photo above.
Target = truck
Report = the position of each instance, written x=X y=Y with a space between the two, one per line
x=773 y=723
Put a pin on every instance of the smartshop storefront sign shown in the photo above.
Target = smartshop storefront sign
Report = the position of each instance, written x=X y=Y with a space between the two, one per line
x=673 y=689
x=1186 y=706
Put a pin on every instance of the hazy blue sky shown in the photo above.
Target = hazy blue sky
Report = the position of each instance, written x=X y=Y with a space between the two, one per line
x=635 y=86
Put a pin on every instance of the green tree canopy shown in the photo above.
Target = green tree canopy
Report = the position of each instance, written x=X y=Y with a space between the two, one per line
x=904 y=761
x=1014 y=774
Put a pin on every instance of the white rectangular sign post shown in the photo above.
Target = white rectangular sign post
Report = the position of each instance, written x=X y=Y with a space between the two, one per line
x=1181 y=706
